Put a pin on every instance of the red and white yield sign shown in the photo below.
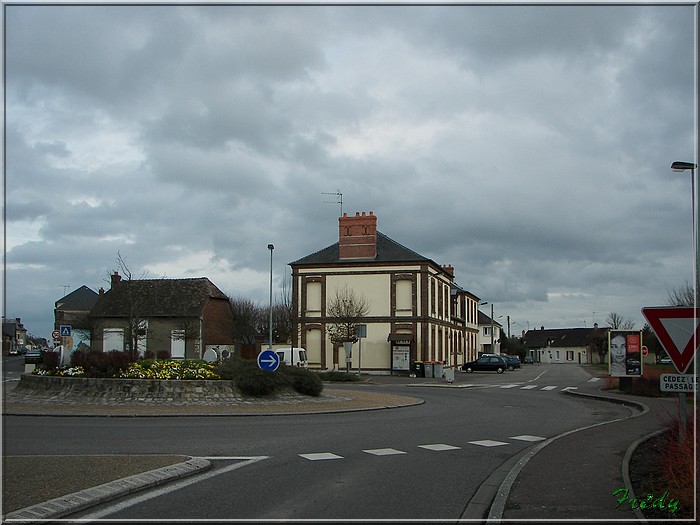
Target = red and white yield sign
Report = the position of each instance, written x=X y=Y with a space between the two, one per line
x=678 y=330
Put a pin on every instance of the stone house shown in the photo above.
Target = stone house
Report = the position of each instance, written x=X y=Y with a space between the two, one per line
x=180 y=317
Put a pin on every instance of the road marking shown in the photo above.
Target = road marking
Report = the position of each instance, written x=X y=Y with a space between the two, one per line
x=508 y=386
x=488 y=443
x=593 y=379
x=172 y=486
x=528 y=387
x=526 y=437
x=570 y=388
x=439 y=447
x=320 y=456
x=548 y=387
x=384 y=451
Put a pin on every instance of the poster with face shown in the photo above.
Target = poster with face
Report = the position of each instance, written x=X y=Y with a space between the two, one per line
x=625 y=353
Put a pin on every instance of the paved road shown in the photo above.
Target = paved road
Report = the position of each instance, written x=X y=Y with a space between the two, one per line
x=449 y=466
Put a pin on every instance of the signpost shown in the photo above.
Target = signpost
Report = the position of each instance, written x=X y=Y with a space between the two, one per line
x=361 y=333
x=65 y=330
x=268 y=360
x=678 y=383
x=678 y=330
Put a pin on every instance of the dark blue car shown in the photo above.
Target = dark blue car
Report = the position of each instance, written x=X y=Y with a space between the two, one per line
x=487 y=362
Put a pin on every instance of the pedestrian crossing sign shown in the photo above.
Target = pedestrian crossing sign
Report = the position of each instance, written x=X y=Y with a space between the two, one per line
x=65 y=331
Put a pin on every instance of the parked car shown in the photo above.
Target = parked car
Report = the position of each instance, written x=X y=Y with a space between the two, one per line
x=666 y=361
x=487 y=362
x=528 y=360
x=513 y=361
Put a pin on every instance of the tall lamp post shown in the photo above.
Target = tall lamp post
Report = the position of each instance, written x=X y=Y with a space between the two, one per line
x=270 y=247
x=684 y=166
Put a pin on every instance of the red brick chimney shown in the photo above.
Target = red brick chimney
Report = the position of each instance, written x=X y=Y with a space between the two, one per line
x=358 y=236
x=115 y=278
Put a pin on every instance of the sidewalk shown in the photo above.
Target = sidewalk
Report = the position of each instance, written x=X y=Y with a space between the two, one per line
x=540 y=485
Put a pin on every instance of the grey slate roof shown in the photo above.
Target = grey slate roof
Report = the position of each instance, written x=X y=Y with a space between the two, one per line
x=562 y=337
x=157 y=298
x=82 y=299
x=484 y=319
x=388 y=251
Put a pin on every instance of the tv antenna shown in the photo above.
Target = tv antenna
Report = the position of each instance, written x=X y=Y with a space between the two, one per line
x=339 y=201
x=65 y=287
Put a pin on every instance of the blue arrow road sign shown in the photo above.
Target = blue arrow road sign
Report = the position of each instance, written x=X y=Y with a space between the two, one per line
x=65 y=331
x=268 y=360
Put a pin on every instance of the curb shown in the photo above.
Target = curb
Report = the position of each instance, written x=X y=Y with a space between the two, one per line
x=77 y=501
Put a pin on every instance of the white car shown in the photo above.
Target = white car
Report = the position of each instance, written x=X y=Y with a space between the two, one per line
x=666 y=361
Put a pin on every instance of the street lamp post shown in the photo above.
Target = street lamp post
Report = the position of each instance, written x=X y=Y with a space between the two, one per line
x=684 y=166
x=270 y=247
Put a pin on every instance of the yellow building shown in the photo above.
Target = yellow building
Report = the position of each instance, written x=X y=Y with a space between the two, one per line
x=416 y=311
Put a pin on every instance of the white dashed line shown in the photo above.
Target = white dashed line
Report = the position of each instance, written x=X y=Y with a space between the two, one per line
x=528 y=387
x=320 y=456
x=383 y=451
x=439 y=447
x=526 y=437
x=548 y=387
x=508 y=386
x=488 y=443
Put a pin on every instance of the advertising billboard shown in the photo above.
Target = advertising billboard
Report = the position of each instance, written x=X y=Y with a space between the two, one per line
x=625 y=353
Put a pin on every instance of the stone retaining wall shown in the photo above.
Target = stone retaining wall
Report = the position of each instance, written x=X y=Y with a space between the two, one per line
x=173 y=391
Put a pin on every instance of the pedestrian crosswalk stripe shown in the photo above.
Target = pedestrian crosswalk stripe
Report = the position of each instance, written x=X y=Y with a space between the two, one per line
x=548 y=388
x=508 y=386
x=439 y=446
x=528 y=387
x=593 y=379
x=320 y=456
x=488 y=443
x=384 y=451
x=526 y=437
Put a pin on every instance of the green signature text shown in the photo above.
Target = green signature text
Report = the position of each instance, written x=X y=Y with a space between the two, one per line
x=650 y=501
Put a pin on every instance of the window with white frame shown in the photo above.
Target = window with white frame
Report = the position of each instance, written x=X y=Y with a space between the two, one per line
x=113 y=339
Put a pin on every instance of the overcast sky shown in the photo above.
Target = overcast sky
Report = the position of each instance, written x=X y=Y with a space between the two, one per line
x=528 y=146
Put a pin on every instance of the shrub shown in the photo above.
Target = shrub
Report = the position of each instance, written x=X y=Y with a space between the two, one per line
x=102 y=364
x=163 y=354
x=335 y=375
x=49 y=360
x=676 y=462
x=302 y=380
x=251 y=380
x=258 y=382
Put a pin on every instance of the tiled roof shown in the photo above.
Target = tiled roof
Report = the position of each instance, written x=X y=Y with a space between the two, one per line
x=562 y=337
x=82 y=299
x=388 y=251
x=484 y=319
x=157 y=298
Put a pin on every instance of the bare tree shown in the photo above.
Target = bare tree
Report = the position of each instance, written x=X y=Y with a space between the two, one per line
x=246 y=319
x=681 y=296
x=618 y=322
x=136 y=322
x=346 y=311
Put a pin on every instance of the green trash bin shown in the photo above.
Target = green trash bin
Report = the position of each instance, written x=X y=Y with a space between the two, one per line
x=429 y=369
